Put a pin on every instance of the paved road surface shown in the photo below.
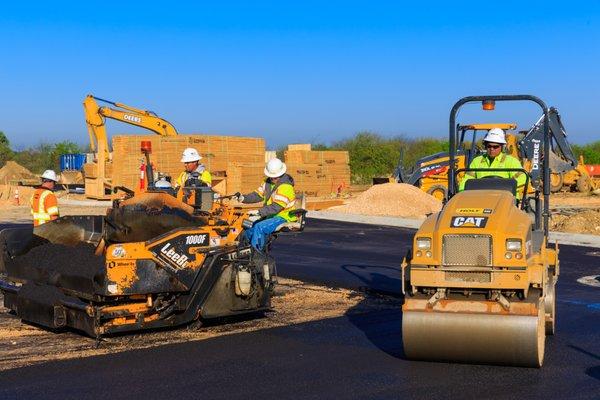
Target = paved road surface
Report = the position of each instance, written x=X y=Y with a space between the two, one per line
x=346 y=357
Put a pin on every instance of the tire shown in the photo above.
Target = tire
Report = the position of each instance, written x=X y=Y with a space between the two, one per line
x=556 y=182
x=584 y=184
x=438 y=191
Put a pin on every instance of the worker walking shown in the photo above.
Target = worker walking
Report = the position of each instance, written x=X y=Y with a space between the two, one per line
x=278 y=197
x=191 y=161
x=44 y=206
x=495 y=158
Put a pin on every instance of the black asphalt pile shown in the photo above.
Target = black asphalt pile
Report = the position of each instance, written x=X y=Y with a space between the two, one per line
x=58 y=265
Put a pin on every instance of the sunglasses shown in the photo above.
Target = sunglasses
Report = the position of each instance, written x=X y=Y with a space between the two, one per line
x=492 y=146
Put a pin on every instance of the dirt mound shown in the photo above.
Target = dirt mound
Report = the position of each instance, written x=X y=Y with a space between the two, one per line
x=392 y=199
x=581 y=222
x=13 y=171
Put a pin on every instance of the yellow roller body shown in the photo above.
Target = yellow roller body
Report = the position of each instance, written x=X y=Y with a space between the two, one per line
x=484 y=335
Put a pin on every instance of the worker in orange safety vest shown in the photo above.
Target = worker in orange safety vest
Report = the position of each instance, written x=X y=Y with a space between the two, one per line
x=44 y=206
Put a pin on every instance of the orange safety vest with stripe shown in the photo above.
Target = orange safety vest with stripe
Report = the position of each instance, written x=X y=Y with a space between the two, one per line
x=44 y=206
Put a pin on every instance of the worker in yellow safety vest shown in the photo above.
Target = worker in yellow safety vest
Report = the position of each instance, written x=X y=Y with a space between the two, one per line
x=192 y=167
x=495 y=158
x=278 y=198
x=44 y=206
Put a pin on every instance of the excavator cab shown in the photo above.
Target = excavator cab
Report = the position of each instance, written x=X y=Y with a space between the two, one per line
x=479 y=280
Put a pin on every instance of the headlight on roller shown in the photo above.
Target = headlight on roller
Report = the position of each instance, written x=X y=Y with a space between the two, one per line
x=423 y=243
x=513 y=244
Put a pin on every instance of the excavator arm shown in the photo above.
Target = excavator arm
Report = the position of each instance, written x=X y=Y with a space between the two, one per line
x=95 y=117
x=561 y=155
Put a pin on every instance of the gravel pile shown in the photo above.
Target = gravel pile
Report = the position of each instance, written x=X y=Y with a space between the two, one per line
x=392 y=199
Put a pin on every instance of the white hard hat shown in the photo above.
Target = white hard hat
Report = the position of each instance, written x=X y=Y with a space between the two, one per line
x=495 y=135
x=190 y=155
x=50 y=175
x=275 y=168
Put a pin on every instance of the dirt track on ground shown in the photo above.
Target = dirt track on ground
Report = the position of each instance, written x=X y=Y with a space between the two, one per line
x=294 y=302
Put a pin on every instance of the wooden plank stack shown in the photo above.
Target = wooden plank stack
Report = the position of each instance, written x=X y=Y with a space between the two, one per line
x=237 y=160
x=318 y=173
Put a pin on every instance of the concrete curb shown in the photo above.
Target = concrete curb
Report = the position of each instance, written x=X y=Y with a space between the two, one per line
x=575 y=239
x=85 y=203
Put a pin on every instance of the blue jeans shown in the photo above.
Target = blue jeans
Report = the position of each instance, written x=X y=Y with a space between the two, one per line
x=257 y=235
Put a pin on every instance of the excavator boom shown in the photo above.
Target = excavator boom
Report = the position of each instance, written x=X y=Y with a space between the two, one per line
x=95 y=116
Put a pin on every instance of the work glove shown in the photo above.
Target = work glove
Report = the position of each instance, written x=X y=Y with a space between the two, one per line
x=253 y=212
x=253 y=218
x=239 y=197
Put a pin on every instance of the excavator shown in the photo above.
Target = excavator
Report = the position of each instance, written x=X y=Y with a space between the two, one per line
x=155 y=260
x=96 y=182
x=479 y=281
x=431 y=172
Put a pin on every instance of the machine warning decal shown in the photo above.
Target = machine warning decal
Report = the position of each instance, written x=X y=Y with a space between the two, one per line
x=468 y=222
x=121 y=263
x=474 y=210
x=177 y=252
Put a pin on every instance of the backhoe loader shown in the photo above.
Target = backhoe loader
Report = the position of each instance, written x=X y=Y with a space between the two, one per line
x=479 y=280
x=430 y=173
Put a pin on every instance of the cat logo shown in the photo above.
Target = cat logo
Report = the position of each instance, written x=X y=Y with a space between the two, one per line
x=468 y=222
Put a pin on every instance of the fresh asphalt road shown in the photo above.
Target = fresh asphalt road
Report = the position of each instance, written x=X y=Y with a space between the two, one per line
x=354 y=356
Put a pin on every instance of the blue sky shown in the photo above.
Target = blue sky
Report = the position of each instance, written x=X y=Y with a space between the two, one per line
x=296 y=72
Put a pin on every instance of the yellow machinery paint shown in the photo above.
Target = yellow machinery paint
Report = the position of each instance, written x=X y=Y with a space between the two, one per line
x=479 y=281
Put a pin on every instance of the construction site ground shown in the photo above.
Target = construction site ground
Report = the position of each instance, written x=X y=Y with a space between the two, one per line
x=571 y=212
x=329 y=353
x=294 y=302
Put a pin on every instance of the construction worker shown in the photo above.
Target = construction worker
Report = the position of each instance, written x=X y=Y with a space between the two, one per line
x=44 y=206
x=278 y=198
x=494 y=143
x=191 y=161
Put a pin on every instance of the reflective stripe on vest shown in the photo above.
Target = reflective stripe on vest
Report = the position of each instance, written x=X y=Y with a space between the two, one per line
x=287 y=201
x=39 y=213
x=204 y=176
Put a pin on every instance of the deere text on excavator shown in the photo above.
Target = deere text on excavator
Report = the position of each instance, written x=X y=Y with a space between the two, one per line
x=479 y=281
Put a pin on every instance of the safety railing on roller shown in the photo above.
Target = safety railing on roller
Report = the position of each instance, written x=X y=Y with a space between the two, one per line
x=488 y=103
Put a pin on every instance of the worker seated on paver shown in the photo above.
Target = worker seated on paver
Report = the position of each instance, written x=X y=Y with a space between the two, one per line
x=278 y=198
x=44 y=206
x=192 y=167
x=495 y=158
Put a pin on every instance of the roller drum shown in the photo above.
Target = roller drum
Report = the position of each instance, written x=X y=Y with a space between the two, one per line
x=516 y=340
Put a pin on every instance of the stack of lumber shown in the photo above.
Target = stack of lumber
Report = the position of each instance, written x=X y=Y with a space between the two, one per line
x=236 y=162
x=318 y=173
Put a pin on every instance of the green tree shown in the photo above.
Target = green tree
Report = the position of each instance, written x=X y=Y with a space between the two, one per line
x=45 y=156
x=6 y=153
x=370 y=155
x=590 y=152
